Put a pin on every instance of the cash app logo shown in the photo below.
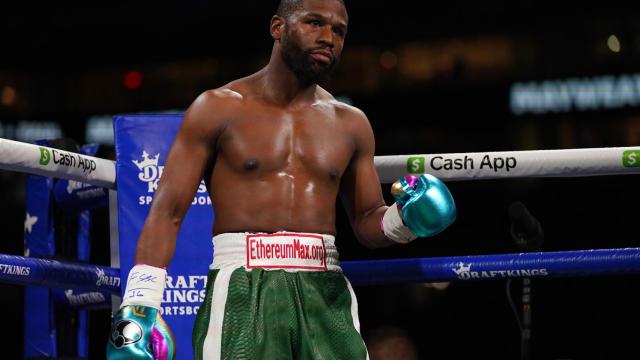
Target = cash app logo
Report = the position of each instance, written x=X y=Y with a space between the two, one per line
x=45 y=156
x=631 y=158
x=415 y=164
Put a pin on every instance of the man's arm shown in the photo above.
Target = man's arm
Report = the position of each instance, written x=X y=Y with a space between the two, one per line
x=360 y=188
x=190 y=153
x=192 y=149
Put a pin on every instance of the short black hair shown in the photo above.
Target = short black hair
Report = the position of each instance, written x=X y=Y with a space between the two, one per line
x=288 y=7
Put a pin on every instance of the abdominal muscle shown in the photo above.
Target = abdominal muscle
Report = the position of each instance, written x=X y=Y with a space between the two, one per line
x=277 y=202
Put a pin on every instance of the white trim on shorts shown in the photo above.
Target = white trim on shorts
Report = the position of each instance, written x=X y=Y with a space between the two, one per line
x=354 y=311
x=212 y=346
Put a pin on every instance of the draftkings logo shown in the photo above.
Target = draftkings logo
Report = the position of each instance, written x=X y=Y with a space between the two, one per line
x=87 y=298
x=463 y=271
x=183 y=295
x=7 y=269
x=103 y=279
x=150 y=173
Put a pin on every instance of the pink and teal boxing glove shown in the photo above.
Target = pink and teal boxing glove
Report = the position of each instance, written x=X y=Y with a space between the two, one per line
x=424 y=207
x=138 y=331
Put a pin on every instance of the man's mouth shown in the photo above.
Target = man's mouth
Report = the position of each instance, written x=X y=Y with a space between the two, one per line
x=323 y=56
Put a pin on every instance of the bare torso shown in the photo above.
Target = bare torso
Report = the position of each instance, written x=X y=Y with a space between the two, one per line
x=279 y=169
x=275 y=149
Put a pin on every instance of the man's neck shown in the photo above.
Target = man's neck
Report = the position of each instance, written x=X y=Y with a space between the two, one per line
x=279 y=84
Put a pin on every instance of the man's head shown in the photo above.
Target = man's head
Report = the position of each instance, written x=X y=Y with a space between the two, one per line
x=311 y=36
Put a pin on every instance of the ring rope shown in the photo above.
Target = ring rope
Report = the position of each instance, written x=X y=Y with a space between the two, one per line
x=32 y=159
x=58 y=274
x=79 y=299
x=512 y=164
x=47 y=161
x=578 y=263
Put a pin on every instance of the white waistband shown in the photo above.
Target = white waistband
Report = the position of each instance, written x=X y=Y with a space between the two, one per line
x=282 y=250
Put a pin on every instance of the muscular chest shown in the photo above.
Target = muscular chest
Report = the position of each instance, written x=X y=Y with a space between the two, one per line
x=313 y=141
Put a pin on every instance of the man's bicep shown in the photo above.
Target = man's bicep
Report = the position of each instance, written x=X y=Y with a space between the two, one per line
x=190 y=153
x=181 y=175
x=361 y=190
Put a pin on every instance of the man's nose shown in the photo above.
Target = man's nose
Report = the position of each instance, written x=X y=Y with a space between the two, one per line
x=326 y=36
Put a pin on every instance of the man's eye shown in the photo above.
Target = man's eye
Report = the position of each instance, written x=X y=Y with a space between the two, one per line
x=314 y=22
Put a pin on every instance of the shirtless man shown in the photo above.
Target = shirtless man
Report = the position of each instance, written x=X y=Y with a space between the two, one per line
x=276 y=150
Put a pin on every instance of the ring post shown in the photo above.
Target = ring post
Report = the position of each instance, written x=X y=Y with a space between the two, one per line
x=42 y=336
x=39 y=331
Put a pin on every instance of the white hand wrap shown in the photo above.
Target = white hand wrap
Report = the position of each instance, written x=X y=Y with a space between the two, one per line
x=145 y=286
x=394 y=228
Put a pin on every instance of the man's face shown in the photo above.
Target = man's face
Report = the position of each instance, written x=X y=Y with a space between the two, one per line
x=313 y=39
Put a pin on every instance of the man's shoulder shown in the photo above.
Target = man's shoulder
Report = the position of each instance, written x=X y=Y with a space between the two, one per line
x=349 y=113
x=227 y=96
x=342 y=109
x=349 y=110
x=213 y=107
x=214 y=103
x=219 y=96
x=353 y=119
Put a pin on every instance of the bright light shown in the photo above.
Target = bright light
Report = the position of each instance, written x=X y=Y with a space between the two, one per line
x=99 y=130
x=582 y=94
x=8 y=96
x=613 y=43
x=132 y=80
x=30 y=131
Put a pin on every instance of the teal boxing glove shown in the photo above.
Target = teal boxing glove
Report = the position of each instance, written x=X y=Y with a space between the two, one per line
x=424 y=207
x=138 y=331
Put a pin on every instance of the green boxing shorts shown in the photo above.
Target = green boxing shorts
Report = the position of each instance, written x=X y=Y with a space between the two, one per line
x=277 y=296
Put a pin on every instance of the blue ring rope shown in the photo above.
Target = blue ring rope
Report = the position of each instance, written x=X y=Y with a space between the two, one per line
x=495 y=267
x=579 y=263
x=54 y=273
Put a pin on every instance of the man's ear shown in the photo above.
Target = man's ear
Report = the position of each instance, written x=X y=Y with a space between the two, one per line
x=277 y=27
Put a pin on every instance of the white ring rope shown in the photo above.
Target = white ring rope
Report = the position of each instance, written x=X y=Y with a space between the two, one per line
x=513 y=164
x=46 y=161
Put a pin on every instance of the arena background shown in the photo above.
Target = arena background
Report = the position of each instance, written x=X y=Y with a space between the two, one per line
x=433 y=77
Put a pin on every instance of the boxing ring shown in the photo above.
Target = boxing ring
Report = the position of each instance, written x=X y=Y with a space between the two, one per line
x=101 y=282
